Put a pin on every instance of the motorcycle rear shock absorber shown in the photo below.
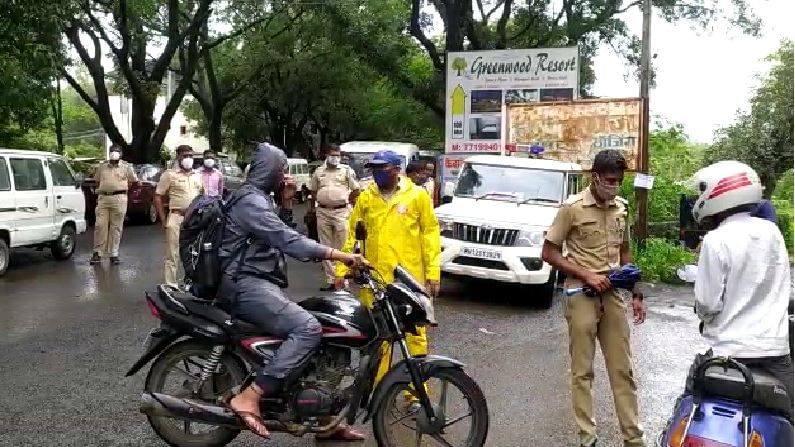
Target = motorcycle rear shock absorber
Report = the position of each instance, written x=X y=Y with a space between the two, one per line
x=209 y=367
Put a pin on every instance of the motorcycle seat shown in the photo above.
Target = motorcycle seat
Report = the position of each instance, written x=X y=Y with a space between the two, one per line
x=209 y=310
x=769 y=392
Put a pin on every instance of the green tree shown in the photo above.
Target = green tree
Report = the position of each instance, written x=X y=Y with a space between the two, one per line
x=459 y=65
x=29 y=55
x=763 y=136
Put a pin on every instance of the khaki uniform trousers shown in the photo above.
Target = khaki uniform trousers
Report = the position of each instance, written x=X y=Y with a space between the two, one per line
x=110 y=212
x=604 y=318
x=172 y=264
x=332 y=230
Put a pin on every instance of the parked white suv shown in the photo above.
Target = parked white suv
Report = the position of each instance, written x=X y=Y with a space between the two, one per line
x=41 y=204
x=497 y=215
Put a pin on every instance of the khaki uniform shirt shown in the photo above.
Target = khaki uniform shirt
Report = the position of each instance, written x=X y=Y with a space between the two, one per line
x=113 y=178
x=181 y=187
x=593 y=234
x=333 y=186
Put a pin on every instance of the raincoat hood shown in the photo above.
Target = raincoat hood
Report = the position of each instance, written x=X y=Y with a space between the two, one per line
x=267 y=167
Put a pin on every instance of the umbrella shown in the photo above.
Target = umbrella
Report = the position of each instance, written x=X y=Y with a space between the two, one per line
x=623 y=278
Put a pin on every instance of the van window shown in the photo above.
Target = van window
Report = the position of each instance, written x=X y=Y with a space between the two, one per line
x=28 y=174
x=5 y=180
x=61 y=175
x=304 y=169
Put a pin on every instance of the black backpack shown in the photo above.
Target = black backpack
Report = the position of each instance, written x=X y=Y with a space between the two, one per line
x=200 y=238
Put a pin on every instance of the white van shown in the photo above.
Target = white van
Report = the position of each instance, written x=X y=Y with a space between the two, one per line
x=357 y=153
x=299 y=169
x=41 y=204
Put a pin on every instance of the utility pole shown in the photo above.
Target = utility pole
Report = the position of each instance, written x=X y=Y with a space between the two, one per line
x=642 y=194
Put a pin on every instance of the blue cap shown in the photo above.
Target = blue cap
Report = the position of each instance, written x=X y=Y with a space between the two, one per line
x=383 y=158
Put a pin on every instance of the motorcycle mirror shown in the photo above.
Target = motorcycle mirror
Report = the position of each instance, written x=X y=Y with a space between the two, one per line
x=360 y=231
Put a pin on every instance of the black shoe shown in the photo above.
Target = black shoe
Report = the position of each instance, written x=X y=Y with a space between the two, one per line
x=328 y=288
x=115 y=260
x=95 y=259
x=592 y=444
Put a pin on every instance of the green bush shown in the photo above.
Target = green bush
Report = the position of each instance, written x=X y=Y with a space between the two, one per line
x=786 y=215
x=660 y=259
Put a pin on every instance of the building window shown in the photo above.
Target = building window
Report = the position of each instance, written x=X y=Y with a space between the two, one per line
x=183 y=130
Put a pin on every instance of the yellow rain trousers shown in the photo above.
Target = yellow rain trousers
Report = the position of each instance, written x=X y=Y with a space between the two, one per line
x=400 y=231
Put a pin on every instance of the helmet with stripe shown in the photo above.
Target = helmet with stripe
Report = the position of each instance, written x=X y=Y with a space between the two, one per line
x=723 y=186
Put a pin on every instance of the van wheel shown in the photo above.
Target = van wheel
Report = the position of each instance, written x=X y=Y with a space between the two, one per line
x=64 y=246
x=5 y=256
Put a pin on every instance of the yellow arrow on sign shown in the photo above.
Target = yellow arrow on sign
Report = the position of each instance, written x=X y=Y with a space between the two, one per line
x=459 y=101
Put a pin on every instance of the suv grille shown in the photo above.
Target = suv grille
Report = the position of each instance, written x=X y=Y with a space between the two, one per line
x=480 y=235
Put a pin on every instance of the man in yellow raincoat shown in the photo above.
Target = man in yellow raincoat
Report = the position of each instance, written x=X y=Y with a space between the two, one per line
x=401 y=230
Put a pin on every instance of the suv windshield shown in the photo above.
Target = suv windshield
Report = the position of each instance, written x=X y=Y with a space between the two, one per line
x=357 y=160
x=510 y=183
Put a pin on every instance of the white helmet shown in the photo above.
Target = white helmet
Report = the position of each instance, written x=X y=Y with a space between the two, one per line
x=723 y=186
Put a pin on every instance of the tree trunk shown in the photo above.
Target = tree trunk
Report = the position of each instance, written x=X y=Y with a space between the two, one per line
x=214 y=133
x=143 y=126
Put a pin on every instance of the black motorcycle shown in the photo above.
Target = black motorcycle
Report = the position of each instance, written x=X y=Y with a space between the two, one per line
x=216 y=355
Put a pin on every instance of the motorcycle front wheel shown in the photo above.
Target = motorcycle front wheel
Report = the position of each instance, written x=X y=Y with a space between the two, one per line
x=174 y=373
x=424 y=432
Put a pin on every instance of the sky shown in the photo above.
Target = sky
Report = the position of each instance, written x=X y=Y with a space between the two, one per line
x=702 y=78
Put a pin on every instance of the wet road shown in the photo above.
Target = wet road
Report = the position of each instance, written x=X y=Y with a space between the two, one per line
x=70 y=331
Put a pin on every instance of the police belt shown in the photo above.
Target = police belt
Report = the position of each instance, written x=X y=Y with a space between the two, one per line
x=112 y=193
x=332 y=207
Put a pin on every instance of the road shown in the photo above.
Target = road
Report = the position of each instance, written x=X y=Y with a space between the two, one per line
x=70 y=331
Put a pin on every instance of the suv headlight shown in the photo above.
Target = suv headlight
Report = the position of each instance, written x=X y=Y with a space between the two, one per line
x=445 y=226
x=530 y=238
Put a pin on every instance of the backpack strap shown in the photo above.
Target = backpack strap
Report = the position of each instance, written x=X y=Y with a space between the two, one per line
x=244 y=249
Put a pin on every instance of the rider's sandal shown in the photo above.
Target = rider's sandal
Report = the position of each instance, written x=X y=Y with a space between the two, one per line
x=250 y=420
x=342 y=434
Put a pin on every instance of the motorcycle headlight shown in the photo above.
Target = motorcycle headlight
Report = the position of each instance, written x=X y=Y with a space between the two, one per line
x=530 y=238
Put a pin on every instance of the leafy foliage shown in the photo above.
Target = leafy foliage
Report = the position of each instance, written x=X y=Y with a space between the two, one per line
x=763 y=137
x=660 y=259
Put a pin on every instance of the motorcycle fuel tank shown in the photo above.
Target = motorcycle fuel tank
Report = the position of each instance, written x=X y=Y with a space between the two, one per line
x=345 y=320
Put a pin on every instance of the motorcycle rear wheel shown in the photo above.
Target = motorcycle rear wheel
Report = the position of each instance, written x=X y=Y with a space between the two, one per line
x=460 y=380
x=164 y=427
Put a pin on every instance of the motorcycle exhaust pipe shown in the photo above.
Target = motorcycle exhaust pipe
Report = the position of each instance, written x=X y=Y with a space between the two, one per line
x=163 y=405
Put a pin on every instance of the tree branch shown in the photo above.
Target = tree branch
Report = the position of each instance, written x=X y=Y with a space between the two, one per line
x=502 y=33
x=100 y=107
x=416 y=31
x=175 y=37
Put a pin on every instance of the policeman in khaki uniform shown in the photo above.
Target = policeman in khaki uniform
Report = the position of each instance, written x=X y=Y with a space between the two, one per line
x=113 y=178
x=180 y=185
x=332 y=186
x=593 y=227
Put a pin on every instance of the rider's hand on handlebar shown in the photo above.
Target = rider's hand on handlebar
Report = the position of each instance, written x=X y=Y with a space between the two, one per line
x=352 y=260
x=598 y=282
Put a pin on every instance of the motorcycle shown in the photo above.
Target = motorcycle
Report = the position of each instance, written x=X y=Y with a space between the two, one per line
x=726 y=404
x=225 y=352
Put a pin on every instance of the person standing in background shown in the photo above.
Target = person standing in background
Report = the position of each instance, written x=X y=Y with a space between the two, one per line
x=430 y=184
x=113 y=178
x=333 y=185
x=417 y=172
x=212 y=179
x=180 y=186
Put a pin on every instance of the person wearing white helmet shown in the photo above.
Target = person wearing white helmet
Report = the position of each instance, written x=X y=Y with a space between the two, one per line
x=743 y=283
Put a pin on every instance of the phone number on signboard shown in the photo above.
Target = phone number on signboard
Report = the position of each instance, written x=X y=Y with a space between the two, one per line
x=475 y=147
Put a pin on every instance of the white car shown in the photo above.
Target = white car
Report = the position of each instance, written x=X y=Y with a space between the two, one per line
x=41 y=204
x=496 y=217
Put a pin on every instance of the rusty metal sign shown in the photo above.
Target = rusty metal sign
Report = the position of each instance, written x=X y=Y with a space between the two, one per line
x=575 y=131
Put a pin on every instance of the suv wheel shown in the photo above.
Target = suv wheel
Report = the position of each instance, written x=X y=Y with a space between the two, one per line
x=63 y=247
x=546 y=291
x=5 y=256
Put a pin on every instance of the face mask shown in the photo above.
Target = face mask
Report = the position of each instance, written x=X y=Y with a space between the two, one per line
x=333 y=160
x=209 y=163
x=115 y=156
x=606 y=192
x=186 y=163
x=382 y=178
